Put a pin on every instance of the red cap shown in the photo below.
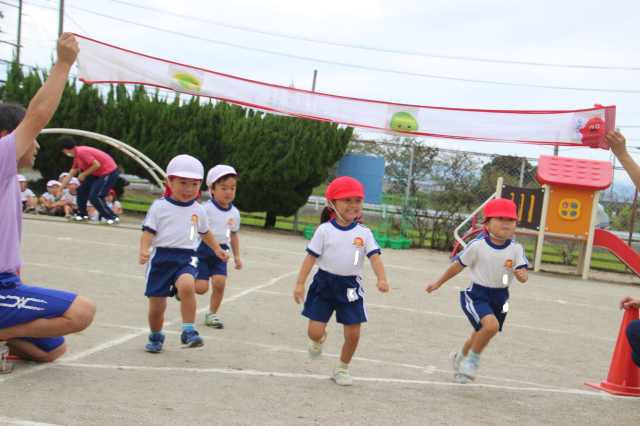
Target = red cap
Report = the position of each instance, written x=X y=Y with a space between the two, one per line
x=344 y=187
x=500 y=207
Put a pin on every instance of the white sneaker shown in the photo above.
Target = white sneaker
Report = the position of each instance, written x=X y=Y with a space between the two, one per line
x=469 y=367
x=455 y=363
x=314 y=349
x=7 y=367
x=341 y=375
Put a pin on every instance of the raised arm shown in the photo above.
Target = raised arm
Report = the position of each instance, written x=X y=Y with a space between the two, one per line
x=46 y=100
x=618 y=145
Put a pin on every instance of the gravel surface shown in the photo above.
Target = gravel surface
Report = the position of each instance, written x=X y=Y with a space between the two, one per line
x=560 y=332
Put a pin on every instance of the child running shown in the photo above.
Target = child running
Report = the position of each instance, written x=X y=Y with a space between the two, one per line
x=224 y=222
x=338 y=247
x=172 y=225
x=493 y=261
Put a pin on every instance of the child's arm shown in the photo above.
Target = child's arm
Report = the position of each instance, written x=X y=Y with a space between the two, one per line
x=307 y=265
x=521 y=275
x=453 y=270
x=210 y=240
x=145 y=246
x=378 y=268
x=235 y=246
x=46 y=100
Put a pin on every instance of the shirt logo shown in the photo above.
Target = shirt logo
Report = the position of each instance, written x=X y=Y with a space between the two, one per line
x=230 y=223
x=194 y=218
x=508 y=264
x=21 y=302
x=358 y=242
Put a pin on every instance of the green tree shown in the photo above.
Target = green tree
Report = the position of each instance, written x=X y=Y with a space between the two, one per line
x=509 y=168
x=280 y=160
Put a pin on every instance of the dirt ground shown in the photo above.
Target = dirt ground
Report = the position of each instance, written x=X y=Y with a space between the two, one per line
x=560 y=332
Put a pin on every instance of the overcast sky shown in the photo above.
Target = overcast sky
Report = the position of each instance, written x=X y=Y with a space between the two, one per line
x=587 y=33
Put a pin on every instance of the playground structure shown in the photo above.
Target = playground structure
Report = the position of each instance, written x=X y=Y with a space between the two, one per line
x=564 y=208
x=384 y=221
x=138 y=156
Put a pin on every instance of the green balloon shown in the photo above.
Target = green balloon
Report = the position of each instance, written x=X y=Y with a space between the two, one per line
x=403 y=122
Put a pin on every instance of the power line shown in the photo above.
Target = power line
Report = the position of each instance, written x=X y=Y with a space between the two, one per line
x=355 y=66
x=372 y=48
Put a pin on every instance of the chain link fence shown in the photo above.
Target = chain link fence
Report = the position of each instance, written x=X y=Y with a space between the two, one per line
x=436 y=189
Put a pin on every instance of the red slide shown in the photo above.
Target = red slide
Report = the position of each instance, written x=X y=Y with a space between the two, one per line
x=606 y=239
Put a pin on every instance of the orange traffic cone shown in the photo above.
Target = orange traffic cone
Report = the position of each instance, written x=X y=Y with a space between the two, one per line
x=624 y=375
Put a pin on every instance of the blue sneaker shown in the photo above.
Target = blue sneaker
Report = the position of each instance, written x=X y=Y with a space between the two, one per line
x=191 y=339
x=155 y=343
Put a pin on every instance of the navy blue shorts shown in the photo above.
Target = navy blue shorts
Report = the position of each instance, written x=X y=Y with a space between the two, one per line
x=478 y=301
x=164 y=268
x=22 y=303
x=329 y=292
x=209 y=263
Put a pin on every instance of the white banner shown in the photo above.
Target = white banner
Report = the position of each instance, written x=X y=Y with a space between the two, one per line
x=101 y=63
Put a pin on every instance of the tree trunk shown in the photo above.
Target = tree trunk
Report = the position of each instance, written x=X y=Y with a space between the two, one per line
x=270 y=221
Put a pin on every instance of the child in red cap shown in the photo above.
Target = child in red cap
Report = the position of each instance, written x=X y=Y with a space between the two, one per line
x=338 y=247
x=493 y=261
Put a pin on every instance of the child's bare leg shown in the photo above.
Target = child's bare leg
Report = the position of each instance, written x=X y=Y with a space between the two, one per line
x=480 y=339
x=218 y=283
x=351 y=338
x=157 y=306
x=316 y=330
x=186 y=288
x=201 y=287
x=32 y=202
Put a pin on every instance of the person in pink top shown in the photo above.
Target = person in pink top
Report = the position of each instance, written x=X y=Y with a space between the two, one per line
x=32 y=319
x=99 y=174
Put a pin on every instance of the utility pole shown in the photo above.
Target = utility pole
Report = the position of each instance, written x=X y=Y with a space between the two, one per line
x=19 y=30
x=61 y=18
x=296 y=219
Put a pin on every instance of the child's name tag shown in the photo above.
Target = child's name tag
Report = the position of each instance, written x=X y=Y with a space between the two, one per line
x=355 y=262
x=505 y=307
x=193 y=232
x=505 y=279
x=352 y=294
x=228 y=233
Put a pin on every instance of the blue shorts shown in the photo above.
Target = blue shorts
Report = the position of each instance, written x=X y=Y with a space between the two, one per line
x=341 y=293
x=209 y=263
x=164 y=268
x=22 y=303
x=478 y=301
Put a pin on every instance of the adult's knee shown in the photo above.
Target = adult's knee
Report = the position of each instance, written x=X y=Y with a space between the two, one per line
x=81 y=313
x=54 y=354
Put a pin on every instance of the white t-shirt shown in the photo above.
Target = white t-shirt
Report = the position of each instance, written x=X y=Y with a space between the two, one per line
x=489 y=263
x=26 y=194
x=68 y=196
x=175 y=224
x=116 y=203
x=221 y=220
x=50 y=197
x=65 y=191
x=336 y=246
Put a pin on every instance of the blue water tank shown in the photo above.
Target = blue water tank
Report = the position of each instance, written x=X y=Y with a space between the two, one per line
x=369 y=171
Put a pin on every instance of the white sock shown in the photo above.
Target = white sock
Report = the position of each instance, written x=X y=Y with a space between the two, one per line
x=342 y=364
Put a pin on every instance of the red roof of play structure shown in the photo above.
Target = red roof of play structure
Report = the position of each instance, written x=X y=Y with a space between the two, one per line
x=574 y=172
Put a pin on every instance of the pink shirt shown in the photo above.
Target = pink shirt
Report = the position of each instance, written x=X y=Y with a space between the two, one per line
x=85 y=156
x=10 y=207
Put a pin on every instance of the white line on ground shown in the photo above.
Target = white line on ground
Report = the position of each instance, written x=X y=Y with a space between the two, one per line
x=300 y=253
x=74 y=357
x=325 y=377
x=9 y=421
x=74 y=240
x=83 y=270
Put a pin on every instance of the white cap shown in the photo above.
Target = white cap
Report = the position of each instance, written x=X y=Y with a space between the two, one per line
x=62 y=175
x=218 y=171
x=74 y=180
x=21 y=178
x=185 y=166
x=53 y=182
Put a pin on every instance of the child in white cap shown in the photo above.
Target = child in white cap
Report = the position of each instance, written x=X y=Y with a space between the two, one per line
x=493 y=262
x=49 y=202
x=70 y=196
x=172 y=226
x=224 y=222
x=29 y=199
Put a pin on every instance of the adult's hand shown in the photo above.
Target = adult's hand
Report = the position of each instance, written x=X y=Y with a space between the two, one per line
x=67 y=49
x=616 y=142
x=629 y=302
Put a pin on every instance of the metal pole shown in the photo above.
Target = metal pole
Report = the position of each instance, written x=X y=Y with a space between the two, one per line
x=61 y=18
x=524 y=160
x=406 y=198
x=19 y=31
x=556 y=149
x=633 y=215
x=296 y=219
